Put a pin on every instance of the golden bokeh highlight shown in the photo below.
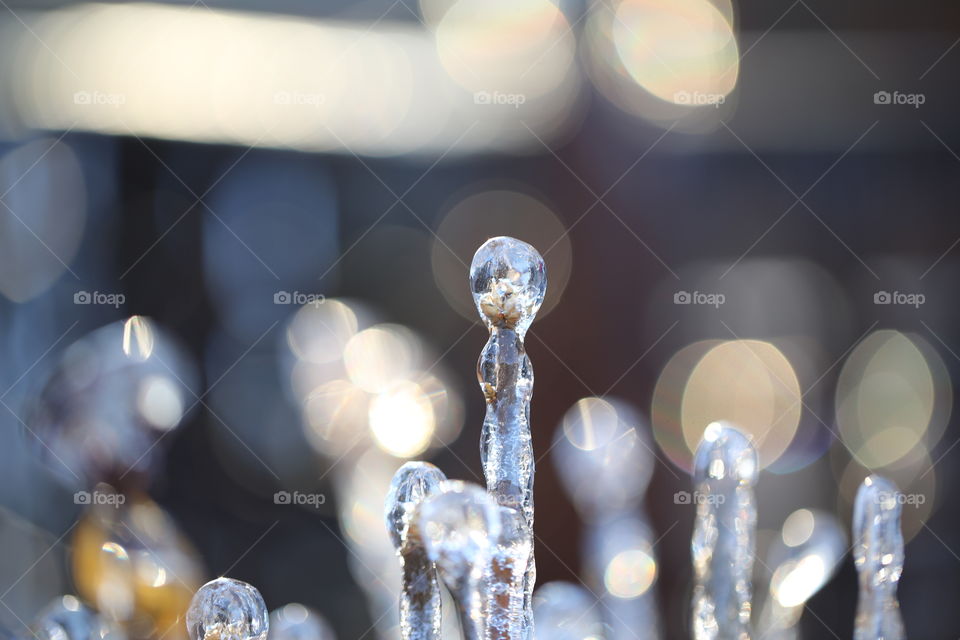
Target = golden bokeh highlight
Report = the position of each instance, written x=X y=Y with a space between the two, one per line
x=889 y=395
x=677 y=50
x=360 y=384
x=519 y=47
x=667 y=401
x=747 y=383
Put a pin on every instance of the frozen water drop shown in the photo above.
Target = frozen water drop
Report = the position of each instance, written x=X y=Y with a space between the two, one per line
x=227 y=609
x=420 y=596
x=508 y=280
x=411 y=484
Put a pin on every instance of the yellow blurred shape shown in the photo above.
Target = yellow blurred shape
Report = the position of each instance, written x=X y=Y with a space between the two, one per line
x=886 y=398
x=682 y=51
x=750 y=384
x=518 y=47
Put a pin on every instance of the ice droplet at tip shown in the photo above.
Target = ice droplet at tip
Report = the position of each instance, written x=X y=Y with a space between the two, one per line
x=412 y=484
x=227 y=609
x=726 y=453
x=508 y=280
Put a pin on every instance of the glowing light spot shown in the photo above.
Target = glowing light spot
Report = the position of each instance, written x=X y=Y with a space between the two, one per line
x=379 y=356
x=402 y=420
x=159 y=402
x=138 y=338
x=630 y=573
x=682 y=51
x=747 y=383
x=887 y=397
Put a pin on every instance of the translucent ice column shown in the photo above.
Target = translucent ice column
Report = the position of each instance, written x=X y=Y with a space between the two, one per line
x=508 y=281
x=725 y=471
x=878 y=555
x=460 y=526
x=506 y=619
x=803 y=559
x=420 y=591
x=227 y=609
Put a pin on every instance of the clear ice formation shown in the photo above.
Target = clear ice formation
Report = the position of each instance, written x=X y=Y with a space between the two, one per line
x=420 y=596
x=227 y=609
x=297 y=622
x=460 y=526
x=505 y=580
x=724 y=532
x=508 y=281
x=802 y=559
x=566 y=611
x=878 y=556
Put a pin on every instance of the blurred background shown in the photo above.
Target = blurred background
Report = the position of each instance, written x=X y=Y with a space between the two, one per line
x=747 y=212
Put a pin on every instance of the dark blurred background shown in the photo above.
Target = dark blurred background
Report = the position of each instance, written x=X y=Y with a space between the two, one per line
x=800 y=160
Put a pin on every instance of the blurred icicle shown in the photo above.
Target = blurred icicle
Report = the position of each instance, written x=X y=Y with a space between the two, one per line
x=724 y=532
x=460 y=526
x=508 y=281
x=566 y=611
x=420 y=598
x=878 y=555
x=605 y=466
